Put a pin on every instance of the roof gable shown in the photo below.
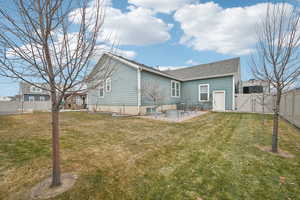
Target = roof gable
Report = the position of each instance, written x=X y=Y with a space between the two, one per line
x=215 y=69
x=210 y=70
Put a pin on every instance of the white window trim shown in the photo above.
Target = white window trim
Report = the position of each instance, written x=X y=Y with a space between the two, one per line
x=31 y=99
x=176 y=82
x=199 y=92
x=42 y=98
x=108 y=80
x=101 y=87
x=35 y=89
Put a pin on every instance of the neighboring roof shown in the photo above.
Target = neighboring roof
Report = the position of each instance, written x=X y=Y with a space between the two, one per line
x=25 y=88
x=210 y=70
x=254 y=82
x=215 y=69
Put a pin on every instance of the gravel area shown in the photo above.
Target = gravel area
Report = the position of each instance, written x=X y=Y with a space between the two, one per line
x=180 y=118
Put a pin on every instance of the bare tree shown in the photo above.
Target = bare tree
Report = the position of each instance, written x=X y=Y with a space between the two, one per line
x=52 y=42
x=277 y=59
x=153 y=93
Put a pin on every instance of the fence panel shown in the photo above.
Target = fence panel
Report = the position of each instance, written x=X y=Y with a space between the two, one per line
x=38 y=105
x=297 y=108
x=290 y=107
x=11 y=107
x=256 y=103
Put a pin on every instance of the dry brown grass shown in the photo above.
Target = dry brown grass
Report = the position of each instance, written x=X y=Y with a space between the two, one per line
x=212 y=157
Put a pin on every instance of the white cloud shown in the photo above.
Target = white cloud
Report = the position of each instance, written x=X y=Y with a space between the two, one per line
x=139 y=26
x=100 y=49
x=208 y=26
x=164 y=68
x=191 y=62
x=163 y=6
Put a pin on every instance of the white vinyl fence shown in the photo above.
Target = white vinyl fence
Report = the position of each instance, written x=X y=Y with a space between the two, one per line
x=255 y=103
x=7 y=107
x=290 y=107
x=262 y=103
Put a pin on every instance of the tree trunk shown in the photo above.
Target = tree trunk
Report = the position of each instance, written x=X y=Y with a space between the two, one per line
x=56 y=175
x=275 y=123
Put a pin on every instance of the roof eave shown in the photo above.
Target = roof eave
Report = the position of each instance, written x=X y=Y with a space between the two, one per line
x=207 y=77
x=141 y=67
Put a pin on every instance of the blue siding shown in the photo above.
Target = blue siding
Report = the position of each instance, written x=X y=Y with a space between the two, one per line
x=123 y=88
x=190 y=91
x=165 y=86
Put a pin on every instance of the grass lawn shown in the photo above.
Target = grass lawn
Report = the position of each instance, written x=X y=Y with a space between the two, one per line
x=212 y=157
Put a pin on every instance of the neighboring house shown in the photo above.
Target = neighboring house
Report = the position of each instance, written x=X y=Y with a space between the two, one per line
x=255 y=86
x=31 y=93
x=3 y=98
x=208 y=86
x=75 y=101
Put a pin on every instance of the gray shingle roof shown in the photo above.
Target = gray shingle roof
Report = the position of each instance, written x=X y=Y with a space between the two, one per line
x=230 y=66
x=215 y=69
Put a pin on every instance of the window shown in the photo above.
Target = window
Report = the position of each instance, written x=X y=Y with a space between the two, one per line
x=78 y=100
x=204 y=92
x=42 y=98
x=35 y=89
x=108 y=85
x=31 y=98
x=101 y=91
x=253 y=89
x=175 y=89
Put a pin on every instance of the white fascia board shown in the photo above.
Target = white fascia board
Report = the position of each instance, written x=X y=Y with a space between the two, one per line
x=207 y=77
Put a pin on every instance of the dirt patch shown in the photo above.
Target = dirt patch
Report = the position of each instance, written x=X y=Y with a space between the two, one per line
x=43 y=190
x=281 y=153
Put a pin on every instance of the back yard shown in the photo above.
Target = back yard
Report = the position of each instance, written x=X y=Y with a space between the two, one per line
x=209 y=157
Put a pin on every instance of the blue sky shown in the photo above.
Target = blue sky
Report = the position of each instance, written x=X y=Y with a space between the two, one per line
x=176 y=33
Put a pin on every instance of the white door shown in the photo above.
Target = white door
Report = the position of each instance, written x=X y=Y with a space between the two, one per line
x=219 y=100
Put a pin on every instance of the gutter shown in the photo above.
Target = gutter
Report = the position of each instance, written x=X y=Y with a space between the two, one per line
x=139 y=97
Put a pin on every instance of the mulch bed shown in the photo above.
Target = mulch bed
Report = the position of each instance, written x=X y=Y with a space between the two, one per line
x=43 y=190
x=280 y=153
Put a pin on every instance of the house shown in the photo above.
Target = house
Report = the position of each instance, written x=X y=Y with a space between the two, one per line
x=75 y=101
x=255 y=86
x=30 y=93
x=5 y=98
x=208 y=86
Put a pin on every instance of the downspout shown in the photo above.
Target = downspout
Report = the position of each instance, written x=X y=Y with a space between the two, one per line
x=233 y=93
x=139 y=89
